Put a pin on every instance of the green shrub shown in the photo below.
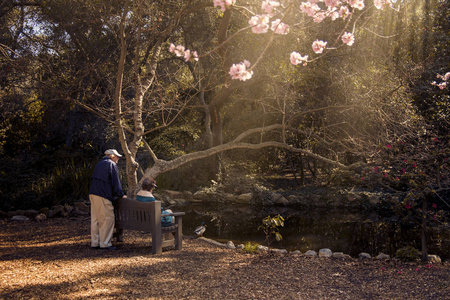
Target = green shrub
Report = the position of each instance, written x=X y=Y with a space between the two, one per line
x=270 y=226
x=66 y=183
x=408 y=253
x=250 y=248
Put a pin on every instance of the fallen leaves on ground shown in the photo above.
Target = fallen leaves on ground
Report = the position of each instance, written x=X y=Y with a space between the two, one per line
x=53 y=260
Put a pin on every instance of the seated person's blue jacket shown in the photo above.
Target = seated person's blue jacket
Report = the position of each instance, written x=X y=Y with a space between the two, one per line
x=145 y=196
x=105 y=180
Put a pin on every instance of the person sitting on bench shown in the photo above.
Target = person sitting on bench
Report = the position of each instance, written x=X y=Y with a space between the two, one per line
x=145 y=195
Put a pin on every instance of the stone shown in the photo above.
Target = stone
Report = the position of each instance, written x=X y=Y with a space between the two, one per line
x=40 y=217
x=19 y=218
x=240 y=246
x=3 y=215
x=244 y=198
x=325 y=253
x=341 y=255
x=276 y=197
x=230 y=245
x=434 y=259
x=57 y=211
x=172 y=201
x=364 y=255
x=311 y=253
x=293 y=198
x=188 y=194
x=68 y=208
x=80 y=208
x=212 y=242
x=296 y=252
x=13 y=213
x=31 y=213
x=383 y=256
x=44 y=211
x=279 y=251
x=262 y=248
x=282 y=201
x=229 y=197
x=174 y=194
x=200 y=195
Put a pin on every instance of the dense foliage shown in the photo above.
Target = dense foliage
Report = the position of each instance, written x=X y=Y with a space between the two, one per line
x=60 y=86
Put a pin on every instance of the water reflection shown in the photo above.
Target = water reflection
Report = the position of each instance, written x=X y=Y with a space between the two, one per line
x=351 y=231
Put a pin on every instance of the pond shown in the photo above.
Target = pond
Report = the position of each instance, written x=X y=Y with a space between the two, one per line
x=346 y=230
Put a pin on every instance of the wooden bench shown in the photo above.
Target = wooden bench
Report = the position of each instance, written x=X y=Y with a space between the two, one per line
x=146 y=216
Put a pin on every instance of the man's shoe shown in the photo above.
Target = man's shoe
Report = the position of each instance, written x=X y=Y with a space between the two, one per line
x=96 y=247
x=109 y=248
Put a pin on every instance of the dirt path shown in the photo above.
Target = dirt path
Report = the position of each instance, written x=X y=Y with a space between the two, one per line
x=53 y=260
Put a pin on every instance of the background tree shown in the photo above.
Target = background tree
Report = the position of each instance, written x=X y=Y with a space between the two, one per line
x=112 y=59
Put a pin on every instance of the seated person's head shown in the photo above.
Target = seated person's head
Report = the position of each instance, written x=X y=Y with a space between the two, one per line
x=148 y=184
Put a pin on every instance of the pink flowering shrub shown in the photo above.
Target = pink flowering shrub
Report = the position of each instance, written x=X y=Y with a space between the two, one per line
x=444 y=79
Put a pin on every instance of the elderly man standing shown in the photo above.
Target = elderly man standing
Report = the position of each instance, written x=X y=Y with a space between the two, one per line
x=105 y=189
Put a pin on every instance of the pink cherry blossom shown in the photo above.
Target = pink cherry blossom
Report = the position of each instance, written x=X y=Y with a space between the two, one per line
x=318 y=46
x=446 y=77
x=309 y=8
x=279 y=27
x=187 y=55
x=297 y=58
x=181 y=52
x=381 y=4
x=344 y=12
x=239 y=71
x=358 y=4
x=444 y=83
x=332 y=3
x=269 y=5
x=178 y=50
x=224 y=4
x=195 y=54
x=348 y=38
x=441 y=85
x=260 y=23
x=319 y=17
x=334 y=14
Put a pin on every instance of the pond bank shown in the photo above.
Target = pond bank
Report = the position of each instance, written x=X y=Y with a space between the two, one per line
x=53 y=260
x=350 y=221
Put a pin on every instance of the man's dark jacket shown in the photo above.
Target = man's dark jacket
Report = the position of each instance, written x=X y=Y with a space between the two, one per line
x=105 y=180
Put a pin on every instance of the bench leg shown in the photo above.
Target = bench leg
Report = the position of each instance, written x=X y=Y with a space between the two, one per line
x=179 y=234
x=118 y=235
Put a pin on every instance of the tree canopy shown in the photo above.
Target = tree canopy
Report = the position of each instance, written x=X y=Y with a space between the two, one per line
x=80 y=76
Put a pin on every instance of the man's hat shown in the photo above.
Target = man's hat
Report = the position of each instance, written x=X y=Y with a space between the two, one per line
x=112 y=151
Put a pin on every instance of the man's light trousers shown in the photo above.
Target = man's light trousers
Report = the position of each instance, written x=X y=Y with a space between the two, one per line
x=102 y=221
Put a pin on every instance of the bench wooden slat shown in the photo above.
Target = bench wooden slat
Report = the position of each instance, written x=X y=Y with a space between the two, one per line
x=146 y=216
